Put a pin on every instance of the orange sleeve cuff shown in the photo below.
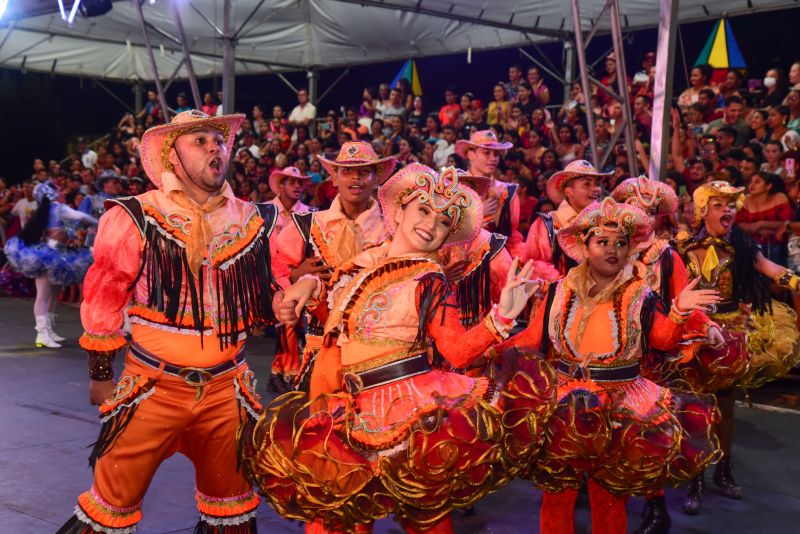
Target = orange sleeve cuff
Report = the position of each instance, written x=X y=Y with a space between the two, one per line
x=102 y=343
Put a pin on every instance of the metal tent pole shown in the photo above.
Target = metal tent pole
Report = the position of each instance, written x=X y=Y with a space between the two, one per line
x=313 y=83
x=622 y=82
x=162 y=98
x=580 y=50
x=187 y=58
x=662 y=92
x=228 y=61
x=569 y=68
x=138 y=94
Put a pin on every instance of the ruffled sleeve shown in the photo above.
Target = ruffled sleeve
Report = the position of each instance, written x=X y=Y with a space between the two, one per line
x=288 y=253
x=667 y=329
x=515 y=243
x=109 y=282
x=440 y=321
x=537 y=248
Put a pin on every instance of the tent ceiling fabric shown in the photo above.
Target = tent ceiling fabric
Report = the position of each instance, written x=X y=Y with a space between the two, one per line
x=298 y=34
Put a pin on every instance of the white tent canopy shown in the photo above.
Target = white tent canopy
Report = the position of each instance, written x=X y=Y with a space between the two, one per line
x=281 y=35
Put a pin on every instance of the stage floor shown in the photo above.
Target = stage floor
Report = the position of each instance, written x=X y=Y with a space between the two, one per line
x=47 y=424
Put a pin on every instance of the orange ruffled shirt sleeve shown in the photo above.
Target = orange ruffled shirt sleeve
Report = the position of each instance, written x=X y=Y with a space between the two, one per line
x=515 y=244
x=537 y=248
x=289 y=253
x=108 y=285
x=459 y=346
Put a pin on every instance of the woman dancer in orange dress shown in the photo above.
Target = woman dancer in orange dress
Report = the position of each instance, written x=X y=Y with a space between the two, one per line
x=391 y=432
x=626 y=433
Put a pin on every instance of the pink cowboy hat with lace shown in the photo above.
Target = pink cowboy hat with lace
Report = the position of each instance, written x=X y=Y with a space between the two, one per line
x=158 y=140
x=360 y=154
x=287 y=172
x=481 y=139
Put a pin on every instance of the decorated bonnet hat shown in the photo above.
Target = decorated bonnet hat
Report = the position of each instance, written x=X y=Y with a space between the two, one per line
x=647 y=194
x=441 y=191
x=599 y=218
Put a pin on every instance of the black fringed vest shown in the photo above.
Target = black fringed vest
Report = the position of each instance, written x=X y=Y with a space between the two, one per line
x=242 y=285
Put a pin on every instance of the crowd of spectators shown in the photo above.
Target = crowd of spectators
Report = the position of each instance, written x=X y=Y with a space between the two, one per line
x=722 y=128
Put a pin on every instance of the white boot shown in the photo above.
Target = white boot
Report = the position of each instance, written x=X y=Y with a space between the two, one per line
x=43 y=337
x=51 y=322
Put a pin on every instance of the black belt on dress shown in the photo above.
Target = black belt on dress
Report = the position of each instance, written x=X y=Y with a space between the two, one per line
x=194 y=376
x=355 y=383
x=599 y=374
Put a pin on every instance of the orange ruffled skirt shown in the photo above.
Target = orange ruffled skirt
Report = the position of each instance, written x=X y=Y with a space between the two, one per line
x=415 y=449
x=630 y=437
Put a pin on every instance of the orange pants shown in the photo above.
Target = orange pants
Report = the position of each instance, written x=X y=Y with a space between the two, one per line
x=608 y=511
x=172 y=418
x=287 y=352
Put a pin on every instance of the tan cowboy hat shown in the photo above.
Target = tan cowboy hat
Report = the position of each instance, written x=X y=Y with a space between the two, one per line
x=481 y=139
x=441 y=191
x=157 y=141
x=287 y=172
x=716 y=188
x=360 y=154
x=479 y=184
x=559 y=180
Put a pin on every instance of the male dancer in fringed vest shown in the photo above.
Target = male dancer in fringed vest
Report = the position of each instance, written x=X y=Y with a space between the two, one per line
x=572 y=190
x=500 y=200
x=320 y=241
x=192 y=262
x=287 y=184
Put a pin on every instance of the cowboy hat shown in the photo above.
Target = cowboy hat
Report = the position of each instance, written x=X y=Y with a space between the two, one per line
x=479 y=184
x=276 y=177
x=440 y=191
x=481 y=139
x=157 y=141
x=360 y=154
x=559 y=180
x=716 y=188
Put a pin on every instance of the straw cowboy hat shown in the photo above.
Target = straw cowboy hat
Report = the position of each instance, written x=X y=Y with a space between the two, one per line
x=716 y=188
x=360 y=154
x=441 y=191
x=599 y=217
x=287 y=172
x=157 y=141
x=481 y=139
x=559 y=180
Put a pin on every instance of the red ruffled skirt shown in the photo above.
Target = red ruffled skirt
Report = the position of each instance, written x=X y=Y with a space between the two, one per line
x=630 y=437
x=415 y=449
